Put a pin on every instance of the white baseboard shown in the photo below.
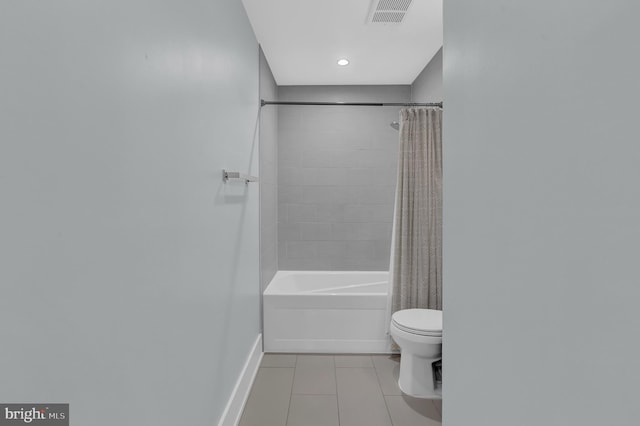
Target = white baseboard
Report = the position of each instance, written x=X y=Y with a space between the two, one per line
x=240 y=394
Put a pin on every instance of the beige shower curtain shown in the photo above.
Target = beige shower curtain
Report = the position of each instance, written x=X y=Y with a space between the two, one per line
x=416 y=269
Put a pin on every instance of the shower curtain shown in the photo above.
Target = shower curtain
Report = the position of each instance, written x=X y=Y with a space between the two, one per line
x=416 y=252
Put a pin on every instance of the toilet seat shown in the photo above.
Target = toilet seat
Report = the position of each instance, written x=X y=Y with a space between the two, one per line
x=422 y=322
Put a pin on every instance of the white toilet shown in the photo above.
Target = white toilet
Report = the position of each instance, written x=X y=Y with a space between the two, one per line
x=418 y=332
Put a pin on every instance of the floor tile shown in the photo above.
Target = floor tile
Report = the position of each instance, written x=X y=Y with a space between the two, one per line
x=278 y=360
x=328 y=390
x=353 y=361
x=408 y=411
x=314 y=361
x=388 y=371
x=438 y=404
x=360 y=400
x=315 y=375
x=385 y=361
x=314 y=380
x=313 y=410
x=268 y=401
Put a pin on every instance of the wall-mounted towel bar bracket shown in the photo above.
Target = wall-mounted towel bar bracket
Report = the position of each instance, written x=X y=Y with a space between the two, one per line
x=237 y=176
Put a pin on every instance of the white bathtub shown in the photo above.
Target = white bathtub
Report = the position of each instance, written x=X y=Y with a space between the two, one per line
x=324 y=311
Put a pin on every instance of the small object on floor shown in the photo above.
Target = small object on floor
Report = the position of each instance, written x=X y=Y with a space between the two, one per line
x=437 y=372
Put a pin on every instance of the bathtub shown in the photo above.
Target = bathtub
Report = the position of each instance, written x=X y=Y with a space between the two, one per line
x=324 y=311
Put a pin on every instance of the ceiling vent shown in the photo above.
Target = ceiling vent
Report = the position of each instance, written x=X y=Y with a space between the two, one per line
x=388 y=11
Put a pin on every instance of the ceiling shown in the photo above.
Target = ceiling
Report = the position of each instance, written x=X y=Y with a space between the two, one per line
x=303 y=39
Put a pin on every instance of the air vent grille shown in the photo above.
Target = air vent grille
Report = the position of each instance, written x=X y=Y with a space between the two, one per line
x=391 y=17
x=399 y=5
x=388 y=11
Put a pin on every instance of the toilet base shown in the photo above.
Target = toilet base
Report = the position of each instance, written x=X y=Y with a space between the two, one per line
x=417 y=377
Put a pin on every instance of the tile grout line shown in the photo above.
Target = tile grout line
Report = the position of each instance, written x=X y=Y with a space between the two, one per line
x=433 y=402
x=378 y=374
x=293 y=380
x=335 y=376
x=384 y=397
x=278 y=367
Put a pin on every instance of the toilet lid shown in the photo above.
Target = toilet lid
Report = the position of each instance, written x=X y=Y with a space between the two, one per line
x=426 y=322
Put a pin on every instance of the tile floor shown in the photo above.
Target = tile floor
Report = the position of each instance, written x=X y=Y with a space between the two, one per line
x=334 y=390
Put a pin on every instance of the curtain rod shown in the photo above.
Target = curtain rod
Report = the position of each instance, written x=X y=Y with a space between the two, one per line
x=407 y=104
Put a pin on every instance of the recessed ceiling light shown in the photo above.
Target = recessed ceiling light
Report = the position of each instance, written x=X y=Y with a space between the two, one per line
x=343 y=62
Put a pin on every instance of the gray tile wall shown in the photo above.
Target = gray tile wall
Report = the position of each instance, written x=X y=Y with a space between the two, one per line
x=336 y=178
x=268 y=176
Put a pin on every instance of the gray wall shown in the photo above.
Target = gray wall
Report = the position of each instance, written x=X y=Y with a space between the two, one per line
x=336 y=178
x=129 y=271
x=541 y=213
x=268 y=176
x=428 y=87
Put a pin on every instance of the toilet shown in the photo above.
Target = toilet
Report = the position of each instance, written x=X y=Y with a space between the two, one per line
x=418 y=333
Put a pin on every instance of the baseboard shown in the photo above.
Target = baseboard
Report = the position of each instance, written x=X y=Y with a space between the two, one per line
x=240 y=394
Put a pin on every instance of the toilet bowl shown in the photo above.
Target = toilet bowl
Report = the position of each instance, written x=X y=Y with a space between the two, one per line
x=418 y=333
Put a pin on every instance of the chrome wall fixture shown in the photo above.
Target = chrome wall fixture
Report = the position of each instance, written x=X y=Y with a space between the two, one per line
x=228 y=176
